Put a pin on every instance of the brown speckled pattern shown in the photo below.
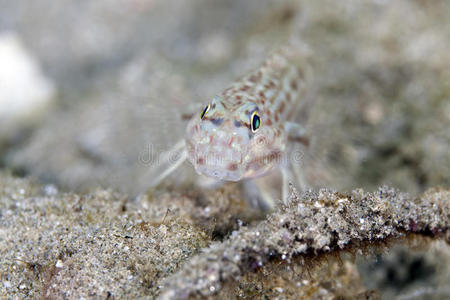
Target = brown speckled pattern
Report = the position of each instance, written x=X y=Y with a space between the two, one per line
x=222 y=145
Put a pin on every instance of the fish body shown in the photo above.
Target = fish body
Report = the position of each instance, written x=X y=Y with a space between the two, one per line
x=241 y=133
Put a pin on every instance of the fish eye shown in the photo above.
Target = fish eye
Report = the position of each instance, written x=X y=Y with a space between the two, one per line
x=205 y=110
x=255 y=121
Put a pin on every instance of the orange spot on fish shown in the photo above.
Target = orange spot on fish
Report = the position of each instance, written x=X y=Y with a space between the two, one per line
x=232 y=167
x=281 y=108
x=293 y=85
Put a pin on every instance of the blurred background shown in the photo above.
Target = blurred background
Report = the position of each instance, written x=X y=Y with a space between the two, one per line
x=88 y=88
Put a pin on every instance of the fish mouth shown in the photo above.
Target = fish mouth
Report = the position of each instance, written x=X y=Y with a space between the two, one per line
x=217 y=159
x=220 y=174
x=225 y=165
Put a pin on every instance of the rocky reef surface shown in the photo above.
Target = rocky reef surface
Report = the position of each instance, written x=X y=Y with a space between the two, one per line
x=103 y=244
x=94 y=91
x=322 y=222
